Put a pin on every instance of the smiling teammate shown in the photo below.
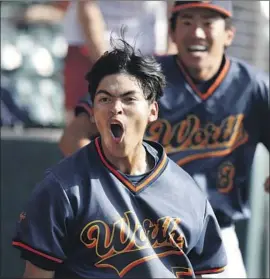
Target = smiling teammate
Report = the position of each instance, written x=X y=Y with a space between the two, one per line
x=211 y=117
x=119 y=207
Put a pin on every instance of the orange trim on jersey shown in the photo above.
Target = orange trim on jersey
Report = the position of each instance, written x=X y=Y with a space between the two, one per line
x=86 y=107
x=142 y=260
x=215 y=84
x=210 y=271
x=125 y=181
x=201 y=5
x=26 y=247
x=190 y=158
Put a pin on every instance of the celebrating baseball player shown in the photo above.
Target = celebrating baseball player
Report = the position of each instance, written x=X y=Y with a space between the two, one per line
x=119 y=207
x=211 y=117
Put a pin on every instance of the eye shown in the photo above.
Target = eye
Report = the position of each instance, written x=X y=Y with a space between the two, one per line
x=104 y=100
x=130 y=99
x=208 y=23
x=186 y=22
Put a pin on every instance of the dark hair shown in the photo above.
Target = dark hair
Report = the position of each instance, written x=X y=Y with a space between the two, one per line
x=228 y=21
x=124 y=60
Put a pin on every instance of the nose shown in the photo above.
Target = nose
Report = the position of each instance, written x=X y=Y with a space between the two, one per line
x=117 y=107
x=198 y=32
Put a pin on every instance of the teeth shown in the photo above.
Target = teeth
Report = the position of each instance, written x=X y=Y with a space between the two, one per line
x=197 y=48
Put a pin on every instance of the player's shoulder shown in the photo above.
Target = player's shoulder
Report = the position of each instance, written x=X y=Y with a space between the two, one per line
x=177 y=175
x=155 y=149
x=186 y=181
x=250 y=77
x=190 y=192
x=165 y=60
x=174 y=75
x=248 y=72
x=77 y=168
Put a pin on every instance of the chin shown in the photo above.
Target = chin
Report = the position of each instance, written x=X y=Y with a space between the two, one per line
x=196 y=66
x=193 y=61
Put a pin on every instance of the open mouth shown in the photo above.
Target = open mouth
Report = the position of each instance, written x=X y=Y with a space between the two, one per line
x=197 y=48
x=117 y=131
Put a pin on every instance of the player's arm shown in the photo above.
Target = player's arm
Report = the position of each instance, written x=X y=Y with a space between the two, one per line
x=32 y=271
x=41 y=233
x=81 y=129
x=263 y=110
x=262 y=106
x=77 y=134
x=208 y=255
x=93 y=26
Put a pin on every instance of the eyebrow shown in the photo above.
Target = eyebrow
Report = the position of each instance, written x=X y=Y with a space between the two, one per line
x=102 y=91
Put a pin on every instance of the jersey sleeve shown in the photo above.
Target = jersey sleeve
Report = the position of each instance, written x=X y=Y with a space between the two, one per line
x=42 y=229
x=84 y=105
x=263 y=109
x=209 y=255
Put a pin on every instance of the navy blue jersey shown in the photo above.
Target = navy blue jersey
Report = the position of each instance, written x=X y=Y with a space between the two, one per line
x=211 y=130
x=86 y=220
x=213 y=134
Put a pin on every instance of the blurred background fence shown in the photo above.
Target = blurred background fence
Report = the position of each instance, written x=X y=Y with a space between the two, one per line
x=32 y=53
x=33 y=50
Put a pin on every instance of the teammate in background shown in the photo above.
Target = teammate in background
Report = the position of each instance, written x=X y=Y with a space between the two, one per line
x=211 y=117
x=120 y=207
x=88 y=25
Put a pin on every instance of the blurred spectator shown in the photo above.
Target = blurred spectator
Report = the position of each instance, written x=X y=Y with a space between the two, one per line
x=32 y=51
x=88 y=26
x=38 y=13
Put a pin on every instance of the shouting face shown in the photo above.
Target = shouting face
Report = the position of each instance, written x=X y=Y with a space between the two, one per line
x=122 y=114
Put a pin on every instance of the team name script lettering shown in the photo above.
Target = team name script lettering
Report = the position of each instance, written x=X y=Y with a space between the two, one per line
x=120 y=246
x=189 y=134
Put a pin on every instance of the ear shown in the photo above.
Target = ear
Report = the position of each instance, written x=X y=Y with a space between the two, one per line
x=230 y=33
x=92 y=115
x=153 y=113
x=92 y=118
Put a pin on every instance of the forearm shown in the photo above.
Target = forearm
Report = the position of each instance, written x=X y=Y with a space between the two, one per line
x=77 y=134
x=93 y=26
x=32 y=271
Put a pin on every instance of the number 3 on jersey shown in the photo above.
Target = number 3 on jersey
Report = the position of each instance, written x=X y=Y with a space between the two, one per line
x=225 y=177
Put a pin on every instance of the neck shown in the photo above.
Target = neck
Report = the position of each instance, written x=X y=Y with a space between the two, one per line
x=203 y=74
x=135 y=163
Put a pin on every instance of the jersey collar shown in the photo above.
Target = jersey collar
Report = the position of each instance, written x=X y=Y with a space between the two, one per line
x=151 y=177
x=215 y=83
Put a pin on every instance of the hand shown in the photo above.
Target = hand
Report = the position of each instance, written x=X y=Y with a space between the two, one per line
x=267 y=185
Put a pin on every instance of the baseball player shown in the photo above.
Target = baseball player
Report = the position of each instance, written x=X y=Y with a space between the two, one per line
x=211 y=117
x=119 y=207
